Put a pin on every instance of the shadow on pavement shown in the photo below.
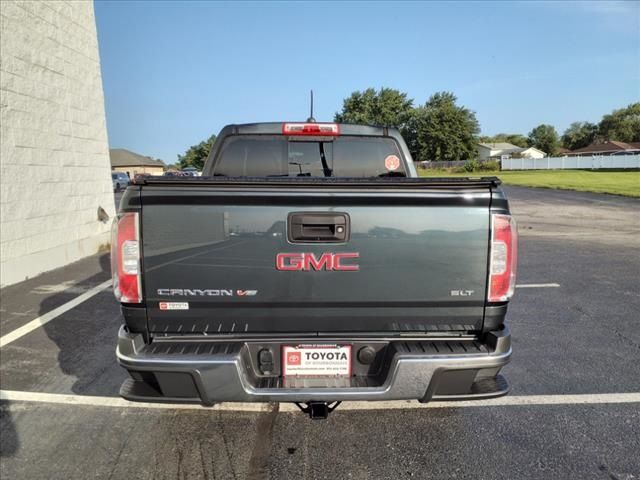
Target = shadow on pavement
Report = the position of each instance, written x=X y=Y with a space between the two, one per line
x=85 y=341
x=9 y=441
x=83 y=352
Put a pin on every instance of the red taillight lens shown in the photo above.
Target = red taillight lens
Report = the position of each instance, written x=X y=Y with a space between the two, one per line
x=504 y=257
x=322 y=129
x=125 y=258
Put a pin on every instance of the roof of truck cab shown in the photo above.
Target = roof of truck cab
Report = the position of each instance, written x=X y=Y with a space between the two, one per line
x=276 y=128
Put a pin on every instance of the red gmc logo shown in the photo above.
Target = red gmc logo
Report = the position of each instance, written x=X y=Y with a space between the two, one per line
x=308 y=261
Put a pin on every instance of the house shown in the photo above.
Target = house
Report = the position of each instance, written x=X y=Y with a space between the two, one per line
x=495 y=151
x=609 y=147
x=133 y=163
x=530 y=152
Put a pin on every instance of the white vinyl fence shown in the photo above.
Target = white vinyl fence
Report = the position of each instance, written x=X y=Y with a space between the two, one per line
x=594 y=162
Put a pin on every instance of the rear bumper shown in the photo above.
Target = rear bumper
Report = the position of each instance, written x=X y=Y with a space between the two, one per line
x=208 y=373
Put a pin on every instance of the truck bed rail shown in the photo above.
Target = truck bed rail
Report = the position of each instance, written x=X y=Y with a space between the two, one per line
x=337 y=182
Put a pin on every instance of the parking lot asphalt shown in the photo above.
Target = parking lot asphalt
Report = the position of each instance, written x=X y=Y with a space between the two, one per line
x=580 y=337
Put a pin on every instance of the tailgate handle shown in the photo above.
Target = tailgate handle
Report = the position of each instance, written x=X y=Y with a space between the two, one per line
x=312 y=227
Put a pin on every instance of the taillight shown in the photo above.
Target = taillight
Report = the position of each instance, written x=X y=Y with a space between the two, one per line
x=323 y=129
x=125 y=258
x=504 y=256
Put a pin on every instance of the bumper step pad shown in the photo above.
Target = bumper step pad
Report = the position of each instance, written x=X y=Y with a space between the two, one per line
x=137 y=391
x=481 y=389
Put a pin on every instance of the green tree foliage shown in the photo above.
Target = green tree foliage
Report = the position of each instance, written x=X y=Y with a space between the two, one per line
x=545 y=138
x=445 y=130
x=409 y=132
x=513 y=138
x=622 y=125
x=439 y=130
x=579 y=135
x=196 y=155
x=388 y=107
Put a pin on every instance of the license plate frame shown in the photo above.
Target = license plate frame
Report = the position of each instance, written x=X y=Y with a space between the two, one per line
x=324 y=360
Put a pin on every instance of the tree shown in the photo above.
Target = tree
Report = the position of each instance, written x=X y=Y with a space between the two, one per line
x=622 y=125
x=513 y=138
x=409 y=132
x=444 y=130
x=579 y=135
x=439 y=130
x=388 y=107
x=196 y=154
x=545 y=138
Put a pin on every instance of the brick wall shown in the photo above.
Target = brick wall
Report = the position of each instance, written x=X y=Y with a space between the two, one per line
x=54 y=156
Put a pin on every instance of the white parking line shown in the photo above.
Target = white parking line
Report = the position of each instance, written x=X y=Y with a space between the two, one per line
x=508 y=401
x=95 y=401
x=537 y=285
x=56 y=312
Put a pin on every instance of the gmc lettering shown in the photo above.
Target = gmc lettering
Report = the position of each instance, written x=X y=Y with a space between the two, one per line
x=305 y=262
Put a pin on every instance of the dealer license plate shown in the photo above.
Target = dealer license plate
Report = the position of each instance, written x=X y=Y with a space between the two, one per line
x=316 y=360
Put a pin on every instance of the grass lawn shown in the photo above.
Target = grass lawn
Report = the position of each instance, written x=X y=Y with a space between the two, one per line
x=618 y=183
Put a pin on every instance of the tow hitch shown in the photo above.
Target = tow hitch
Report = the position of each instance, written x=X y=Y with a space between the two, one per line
x=318 y=410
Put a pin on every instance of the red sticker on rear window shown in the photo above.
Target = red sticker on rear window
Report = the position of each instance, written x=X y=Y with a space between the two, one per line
x=392 y=163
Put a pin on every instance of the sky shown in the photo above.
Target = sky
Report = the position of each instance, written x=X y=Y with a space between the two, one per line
x=176 y=72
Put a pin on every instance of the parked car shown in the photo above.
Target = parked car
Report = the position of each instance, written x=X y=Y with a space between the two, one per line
x=348 y=277
x=120 y=181
x=191 y=171
x=140 y=176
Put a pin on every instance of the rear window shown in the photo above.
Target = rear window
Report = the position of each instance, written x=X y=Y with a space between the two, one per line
x=279 y=156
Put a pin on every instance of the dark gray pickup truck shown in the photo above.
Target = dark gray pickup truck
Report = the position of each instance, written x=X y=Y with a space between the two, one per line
x=310 y=264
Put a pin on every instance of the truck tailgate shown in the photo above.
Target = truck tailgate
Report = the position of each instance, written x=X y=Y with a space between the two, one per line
x=210 y=248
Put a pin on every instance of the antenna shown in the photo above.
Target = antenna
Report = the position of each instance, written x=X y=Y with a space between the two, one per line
x=311 y=119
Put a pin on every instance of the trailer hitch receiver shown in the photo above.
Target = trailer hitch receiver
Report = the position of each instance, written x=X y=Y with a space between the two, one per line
x=318 y=410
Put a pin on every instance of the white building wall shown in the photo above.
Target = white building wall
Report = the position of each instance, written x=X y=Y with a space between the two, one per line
x=484 y=153
x=54 y=156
